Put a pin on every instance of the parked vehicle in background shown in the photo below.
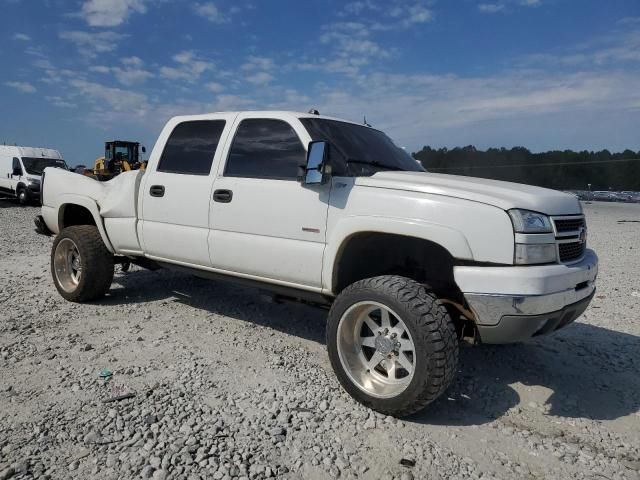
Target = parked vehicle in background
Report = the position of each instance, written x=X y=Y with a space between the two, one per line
x=119 y=156
x=333 y=213
x=81 y=169
x=21 y=170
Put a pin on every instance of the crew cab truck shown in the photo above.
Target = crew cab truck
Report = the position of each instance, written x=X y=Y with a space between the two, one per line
x=335 y=214
x=21 y=169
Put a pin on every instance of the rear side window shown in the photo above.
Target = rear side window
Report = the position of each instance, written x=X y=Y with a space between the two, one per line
x=191 y=147
x=265 y=148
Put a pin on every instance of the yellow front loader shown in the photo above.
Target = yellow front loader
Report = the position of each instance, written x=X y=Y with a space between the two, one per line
x=119 y=156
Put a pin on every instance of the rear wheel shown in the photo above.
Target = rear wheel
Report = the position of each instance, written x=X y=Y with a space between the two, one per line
x=81 y=265
x=392 y=344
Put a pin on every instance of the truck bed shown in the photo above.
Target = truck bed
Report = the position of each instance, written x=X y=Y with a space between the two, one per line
x=115 y=202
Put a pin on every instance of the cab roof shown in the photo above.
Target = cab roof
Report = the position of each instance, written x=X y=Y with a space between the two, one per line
x=266 y=113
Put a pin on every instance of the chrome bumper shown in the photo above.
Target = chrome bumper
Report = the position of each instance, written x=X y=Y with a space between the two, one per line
x=490 y=308
x=531 y=301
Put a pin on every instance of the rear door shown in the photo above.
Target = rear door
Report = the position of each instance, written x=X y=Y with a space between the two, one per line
x=176 y=190
x=264 y=223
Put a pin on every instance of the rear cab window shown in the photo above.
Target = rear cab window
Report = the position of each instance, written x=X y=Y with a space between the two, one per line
x=191 y=147
x=265 y=148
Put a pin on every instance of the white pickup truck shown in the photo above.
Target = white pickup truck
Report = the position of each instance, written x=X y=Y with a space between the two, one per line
x=333 y=213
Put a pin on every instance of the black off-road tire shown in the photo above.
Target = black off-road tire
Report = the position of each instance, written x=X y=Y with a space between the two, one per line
x=97 y=264
x=432 y=330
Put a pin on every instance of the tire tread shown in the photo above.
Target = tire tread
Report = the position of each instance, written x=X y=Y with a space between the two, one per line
x=98 y=270
x=434 y=325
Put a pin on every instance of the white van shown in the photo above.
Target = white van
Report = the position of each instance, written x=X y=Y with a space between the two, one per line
x=21 y=170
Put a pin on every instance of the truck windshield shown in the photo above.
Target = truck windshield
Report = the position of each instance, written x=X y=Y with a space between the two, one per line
x=358 y=150
x=35 y=166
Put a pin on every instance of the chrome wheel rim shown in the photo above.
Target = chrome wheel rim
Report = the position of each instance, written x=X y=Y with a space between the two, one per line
x=67 y=265
x=376 y=349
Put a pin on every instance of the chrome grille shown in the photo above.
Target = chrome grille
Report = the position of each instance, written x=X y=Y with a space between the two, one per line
x=571 y=239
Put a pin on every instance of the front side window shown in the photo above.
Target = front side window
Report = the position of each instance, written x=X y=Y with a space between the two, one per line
x=358 y=150
x=265 y=148
x=35 y=166
x=191 y=147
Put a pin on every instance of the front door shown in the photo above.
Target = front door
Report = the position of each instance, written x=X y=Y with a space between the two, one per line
x=264 y=223
x=176 y=191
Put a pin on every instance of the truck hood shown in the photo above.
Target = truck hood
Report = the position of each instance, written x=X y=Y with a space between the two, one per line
x=504 y=195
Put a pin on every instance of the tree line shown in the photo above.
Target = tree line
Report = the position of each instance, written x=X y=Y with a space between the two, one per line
x=562 y=170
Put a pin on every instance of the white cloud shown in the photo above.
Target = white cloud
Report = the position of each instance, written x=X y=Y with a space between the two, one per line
x=491 y=7
x=211 y=12
x=110 y=13
x=99 y=69
x=351 y=48
x=260 y=78
x=629 y=20
x=258 y=63
x=358 y=7
x=232 y=102
x=214 y=87
x=22 y=37
x=409 y=15
x=501 y=6
x=115 y=99
x=131 y=76
x=89 y=44
x=60 y=102
x=24 y=87
x=415 y=107
x=188 y=67
x=391 y=15
x=616 y=48
x=130 y=73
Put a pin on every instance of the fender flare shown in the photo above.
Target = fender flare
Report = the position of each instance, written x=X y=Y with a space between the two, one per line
x=91 y=206
x=448 y=238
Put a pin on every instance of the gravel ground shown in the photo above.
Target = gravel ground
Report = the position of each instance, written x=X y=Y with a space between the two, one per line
x=229 y=386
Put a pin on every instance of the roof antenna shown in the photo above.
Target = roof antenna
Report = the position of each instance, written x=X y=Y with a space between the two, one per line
x=364 y=121
x=313 y=111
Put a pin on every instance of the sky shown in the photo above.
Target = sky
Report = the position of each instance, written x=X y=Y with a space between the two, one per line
x=543 y=74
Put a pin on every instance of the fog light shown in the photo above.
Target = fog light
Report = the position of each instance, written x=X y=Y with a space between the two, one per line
x=535 y=253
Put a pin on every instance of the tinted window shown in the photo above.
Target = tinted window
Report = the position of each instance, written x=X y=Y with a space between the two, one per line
x=265 y=148
x=358 y=150
x=191 y=147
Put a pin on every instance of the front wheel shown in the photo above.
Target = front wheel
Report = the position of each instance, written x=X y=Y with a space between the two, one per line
x=392 y=344
x=81 y=265
x=23 y=198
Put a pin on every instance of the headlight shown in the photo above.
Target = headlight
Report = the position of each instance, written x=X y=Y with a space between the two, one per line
x=525 y=221
x=530 y=254
x=33 y=181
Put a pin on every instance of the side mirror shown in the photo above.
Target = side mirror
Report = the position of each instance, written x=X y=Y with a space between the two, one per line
x=144 y=150
x=17 y=172
x=317 y=155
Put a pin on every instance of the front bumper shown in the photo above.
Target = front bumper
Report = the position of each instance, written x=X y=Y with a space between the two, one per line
x=33 y=191
x=513 y=304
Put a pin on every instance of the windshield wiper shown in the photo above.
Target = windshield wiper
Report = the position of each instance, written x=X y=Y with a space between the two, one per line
x=374 y=164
